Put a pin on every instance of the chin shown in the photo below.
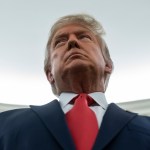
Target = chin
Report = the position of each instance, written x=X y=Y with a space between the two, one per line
x=79 y=66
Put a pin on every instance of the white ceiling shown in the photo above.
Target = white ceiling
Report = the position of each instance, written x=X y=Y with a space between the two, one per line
x=24 y=27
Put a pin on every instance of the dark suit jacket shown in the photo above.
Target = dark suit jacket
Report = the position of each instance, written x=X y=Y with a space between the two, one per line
x=44 y=128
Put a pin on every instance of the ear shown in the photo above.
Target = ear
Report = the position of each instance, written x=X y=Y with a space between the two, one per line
x=50 y=77
x=108 y=68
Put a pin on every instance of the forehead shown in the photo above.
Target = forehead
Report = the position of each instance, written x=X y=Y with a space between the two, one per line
x=72 y=28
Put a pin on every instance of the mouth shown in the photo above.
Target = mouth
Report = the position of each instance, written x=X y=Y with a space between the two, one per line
x=75 y=55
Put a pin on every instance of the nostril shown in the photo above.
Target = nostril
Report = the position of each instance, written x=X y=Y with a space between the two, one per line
x=72 y=44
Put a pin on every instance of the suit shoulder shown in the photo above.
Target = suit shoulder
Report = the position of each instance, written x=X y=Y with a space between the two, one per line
x=140 y=124
x=136 y=123
x=12 y=119
x=20 y=118
x=6 y=115
x=14 y=113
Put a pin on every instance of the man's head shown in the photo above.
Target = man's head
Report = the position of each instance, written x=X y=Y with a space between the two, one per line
x=82 y=22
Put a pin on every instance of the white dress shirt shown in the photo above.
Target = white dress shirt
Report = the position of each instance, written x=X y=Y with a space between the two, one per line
x=99 y=107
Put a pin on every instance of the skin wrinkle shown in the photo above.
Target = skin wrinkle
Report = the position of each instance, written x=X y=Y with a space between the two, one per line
x=87 y=22
x=79 y=73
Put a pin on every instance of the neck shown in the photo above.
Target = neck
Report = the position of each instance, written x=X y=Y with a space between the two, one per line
x=82 y=83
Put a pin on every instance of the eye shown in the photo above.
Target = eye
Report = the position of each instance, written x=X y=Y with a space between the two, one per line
x=84 y=36
x=60 y=41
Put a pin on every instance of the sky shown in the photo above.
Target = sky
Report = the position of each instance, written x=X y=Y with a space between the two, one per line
x=24 y=30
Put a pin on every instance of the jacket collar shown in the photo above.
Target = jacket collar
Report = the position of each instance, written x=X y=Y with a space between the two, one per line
x=113 y=122
x=53 y=118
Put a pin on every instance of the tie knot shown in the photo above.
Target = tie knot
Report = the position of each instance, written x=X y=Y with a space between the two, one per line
x=84 y=97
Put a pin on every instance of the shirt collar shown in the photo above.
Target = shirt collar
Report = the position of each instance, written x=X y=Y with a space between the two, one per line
x=99 y=98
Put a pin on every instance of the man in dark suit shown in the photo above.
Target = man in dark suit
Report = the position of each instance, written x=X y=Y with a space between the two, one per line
x=77 y=62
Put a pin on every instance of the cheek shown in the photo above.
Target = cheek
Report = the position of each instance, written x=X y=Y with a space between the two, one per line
x=97 y=54
x=56 y=64
x=57 y=55
x=99 y=59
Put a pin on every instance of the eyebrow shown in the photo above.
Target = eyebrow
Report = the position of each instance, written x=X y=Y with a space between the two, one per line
x=66 y=33
x=60 y=35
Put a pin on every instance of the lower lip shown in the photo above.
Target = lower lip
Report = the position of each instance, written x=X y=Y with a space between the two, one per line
x=75 y=56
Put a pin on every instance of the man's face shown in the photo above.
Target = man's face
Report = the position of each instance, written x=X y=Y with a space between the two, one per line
x=74 y=49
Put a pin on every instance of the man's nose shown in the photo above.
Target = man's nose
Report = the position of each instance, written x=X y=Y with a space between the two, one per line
x=73 y=43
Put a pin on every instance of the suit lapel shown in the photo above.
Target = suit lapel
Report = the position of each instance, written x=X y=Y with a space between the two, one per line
x=53 y=118
x=114 y=120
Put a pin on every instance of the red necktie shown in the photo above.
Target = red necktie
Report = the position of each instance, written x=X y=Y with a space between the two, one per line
x=82 y=123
